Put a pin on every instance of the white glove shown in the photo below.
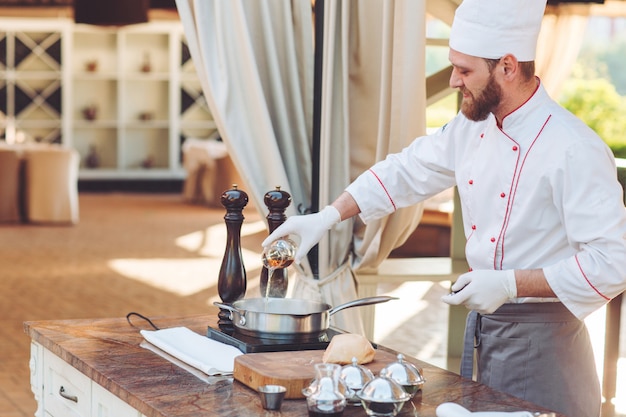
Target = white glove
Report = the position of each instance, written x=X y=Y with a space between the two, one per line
x=455 y=410
x=309 y=228
x=483 y=290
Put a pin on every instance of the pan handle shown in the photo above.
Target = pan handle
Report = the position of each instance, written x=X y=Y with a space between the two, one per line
x=362 y=302
x=229 y=308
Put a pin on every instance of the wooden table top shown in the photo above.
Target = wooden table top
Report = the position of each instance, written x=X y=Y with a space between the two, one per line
x=108 y=351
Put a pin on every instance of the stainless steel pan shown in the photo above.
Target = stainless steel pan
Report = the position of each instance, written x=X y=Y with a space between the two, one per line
x=287 y=317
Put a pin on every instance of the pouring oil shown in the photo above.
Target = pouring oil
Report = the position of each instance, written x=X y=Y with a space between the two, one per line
x=278 y=255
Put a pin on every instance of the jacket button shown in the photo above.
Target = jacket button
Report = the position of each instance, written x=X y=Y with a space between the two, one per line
x=515 y=148
x=471 y=182
x=493 y=239
x=502 y=195
x=473 y=227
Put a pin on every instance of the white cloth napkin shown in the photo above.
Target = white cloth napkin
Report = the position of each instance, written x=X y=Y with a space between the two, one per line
x=209 y=356
x=455 y=410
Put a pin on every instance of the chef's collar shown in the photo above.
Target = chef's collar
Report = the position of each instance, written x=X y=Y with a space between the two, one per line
x=533 y=112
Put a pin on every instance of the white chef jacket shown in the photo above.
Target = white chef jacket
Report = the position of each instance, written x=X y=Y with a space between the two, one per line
x=540 y=192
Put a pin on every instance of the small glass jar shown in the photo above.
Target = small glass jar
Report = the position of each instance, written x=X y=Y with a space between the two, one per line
x=325 y=399
x=383 y=397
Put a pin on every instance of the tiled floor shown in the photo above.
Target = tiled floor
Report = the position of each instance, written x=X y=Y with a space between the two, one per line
x=153 y=254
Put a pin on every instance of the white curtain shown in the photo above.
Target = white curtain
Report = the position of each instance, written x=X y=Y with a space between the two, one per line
x=255 y=61
x=373 y=104
x=560 y=39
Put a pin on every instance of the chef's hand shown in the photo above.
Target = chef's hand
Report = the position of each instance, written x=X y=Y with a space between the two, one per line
x=483 y=290
x=309 y=228
x=455 y=410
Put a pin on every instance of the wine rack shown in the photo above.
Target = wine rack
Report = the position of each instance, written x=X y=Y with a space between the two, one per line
x=31 y=91
x=195 y=117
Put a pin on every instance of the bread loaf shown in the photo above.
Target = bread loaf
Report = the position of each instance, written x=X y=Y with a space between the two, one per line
x=343 y=347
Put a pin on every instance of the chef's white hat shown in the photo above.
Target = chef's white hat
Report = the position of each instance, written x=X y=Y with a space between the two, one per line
x=494 y=28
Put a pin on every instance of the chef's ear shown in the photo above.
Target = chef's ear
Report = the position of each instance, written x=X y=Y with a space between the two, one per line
x=509 y=65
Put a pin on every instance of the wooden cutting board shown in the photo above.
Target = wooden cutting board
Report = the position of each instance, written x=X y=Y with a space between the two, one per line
x=293 y=370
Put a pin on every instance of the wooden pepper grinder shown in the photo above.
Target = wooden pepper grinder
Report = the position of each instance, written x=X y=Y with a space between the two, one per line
x=231 y=282
x=277 y=202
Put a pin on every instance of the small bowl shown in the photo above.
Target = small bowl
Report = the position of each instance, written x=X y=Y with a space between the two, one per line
x=272 y=396
x=383 y=397
x=406 y=374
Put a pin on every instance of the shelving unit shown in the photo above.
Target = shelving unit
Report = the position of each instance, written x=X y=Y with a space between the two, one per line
x=31 y=94
x=129 y=95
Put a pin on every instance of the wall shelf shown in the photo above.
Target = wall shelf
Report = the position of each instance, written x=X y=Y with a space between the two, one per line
x=129 y=94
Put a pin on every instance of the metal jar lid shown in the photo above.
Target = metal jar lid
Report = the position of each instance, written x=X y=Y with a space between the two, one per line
x=384 y=390
x=404 y=373
x=355 y=376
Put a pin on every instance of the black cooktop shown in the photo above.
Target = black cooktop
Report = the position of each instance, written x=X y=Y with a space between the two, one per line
x=252 y=344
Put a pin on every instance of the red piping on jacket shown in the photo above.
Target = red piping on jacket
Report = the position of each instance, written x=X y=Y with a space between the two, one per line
x=384 y=188
x=513 y=191
x=589 y=282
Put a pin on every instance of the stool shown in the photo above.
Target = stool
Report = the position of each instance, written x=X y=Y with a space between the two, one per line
x=210 y=171
x=199 y=182
x=10 y=185
x=51 y=185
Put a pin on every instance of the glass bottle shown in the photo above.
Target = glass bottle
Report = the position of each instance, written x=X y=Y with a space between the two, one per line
x=279 y=254
x=275 y=285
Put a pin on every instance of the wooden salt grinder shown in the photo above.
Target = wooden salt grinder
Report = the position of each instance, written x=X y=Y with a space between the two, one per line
x=231 y=282
x=277 y=202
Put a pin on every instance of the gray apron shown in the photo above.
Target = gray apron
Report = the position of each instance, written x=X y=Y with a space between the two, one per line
x=538 y=352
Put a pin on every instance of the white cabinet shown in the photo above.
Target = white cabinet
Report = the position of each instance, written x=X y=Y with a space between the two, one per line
x=66 y=391
x=63 y=391
x=105 y=404
x=125 y=98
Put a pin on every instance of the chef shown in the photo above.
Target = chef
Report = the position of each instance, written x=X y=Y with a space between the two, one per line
x=543 y=212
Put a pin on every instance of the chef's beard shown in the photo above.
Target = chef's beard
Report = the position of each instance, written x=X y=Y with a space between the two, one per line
x=484 y=103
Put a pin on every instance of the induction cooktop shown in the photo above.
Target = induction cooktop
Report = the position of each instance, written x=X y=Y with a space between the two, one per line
x=252 y=344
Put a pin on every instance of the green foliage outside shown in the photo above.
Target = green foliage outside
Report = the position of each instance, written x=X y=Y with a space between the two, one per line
x=596 y=92
x=598 y=104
